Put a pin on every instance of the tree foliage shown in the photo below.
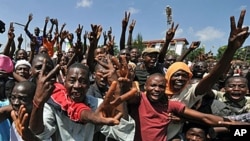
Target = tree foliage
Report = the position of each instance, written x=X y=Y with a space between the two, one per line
x=194 y=55
x=137 y=43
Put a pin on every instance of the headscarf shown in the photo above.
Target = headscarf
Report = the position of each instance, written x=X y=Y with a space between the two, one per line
x=171 y=70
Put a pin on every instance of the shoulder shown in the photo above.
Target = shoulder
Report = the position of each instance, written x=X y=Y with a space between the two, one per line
x=93 y=102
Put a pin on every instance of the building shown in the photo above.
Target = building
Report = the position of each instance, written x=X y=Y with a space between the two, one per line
x=178 y=45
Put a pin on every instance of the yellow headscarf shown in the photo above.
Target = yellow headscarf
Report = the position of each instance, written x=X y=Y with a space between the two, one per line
x=171 y=70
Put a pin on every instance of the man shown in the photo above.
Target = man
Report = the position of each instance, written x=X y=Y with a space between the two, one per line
x=151 y=110
x=153 y=59
x=179 y=74
x=88 y=112
x=21 y=96
x=39 y=39
x=236 y=88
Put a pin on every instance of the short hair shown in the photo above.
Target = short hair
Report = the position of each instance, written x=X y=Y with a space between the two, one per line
x=233 y=77
x=80 y=66
x=30 y=86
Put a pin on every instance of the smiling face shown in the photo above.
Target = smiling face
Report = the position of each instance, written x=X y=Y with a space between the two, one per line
x=77 y=82
x=150 y=59
x=155 y=87
x=178 y=81
x=236 y=88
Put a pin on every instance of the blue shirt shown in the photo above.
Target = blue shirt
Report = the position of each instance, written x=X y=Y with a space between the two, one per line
x=4 y=125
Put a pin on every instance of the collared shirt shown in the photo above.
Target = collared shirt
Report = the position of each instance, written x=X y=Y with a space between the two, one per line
x=57 y=122
x=240 y=107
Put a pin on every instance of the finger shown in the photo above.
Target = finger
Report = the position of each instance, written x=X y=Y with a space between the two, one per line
x=118 y=117
x=52 y=73
x=233 y=25
x=128 y=95
x=25 y=121
x=13 y=115
x=241 y=19
x=116 y=62
x=242 y=33
x=172 y=26
x=43 y=67
x=21 y=111
x=176 y=27
x=128 y=15
x=110 y=92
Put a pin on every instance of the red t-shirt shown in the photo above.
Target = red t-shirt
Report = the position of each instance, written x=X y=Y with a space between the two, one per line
x=152 y=119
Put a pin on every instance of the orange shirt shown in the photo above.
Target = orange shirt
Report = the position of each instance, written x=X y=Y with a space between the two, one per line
x=49 y=45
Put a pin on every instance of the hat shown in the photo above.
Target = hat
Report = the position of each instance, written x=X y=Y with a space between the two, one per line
x=6 y=64
x=22 y=62
x=150 y=50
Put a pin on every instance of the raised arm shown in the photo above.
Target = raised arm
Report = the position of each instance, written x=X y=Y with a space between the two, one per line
x=45 y=27
x=93 y=40
x=44 y=90
x=169 y=36
x=20 y=41
x=130 y=37
x=124 y=28
x=193 y=46
x=79 y=45
x=27 y=25
x=53 y=22
x=237 y=37
x=85 y=47
x=10 y=41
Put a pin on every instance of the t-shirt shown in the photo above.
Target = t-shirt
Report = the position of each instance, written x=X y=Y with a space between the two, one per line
x=152 y=119
x=4 y=125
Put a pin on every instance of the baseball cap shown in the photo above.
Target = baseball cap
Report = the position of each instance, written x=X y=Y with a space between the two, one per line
x=150 y=50
x=6 y=64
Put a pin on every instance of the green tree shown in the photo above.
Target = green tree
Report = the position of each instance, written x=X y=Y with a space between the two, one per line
x=137 y=43
x=220 y=52
x=196 y=53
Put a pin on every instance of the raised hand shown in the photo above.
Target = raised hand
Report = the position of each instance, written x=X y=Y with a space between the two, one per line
x=131 y=26
x=79 y=31
x=20 y=39
x=21 y=121
x=64 y=34
x=106 y=113
x=171 y=32
x=30 y=17
x=194 y=45
x=11 y=34
x=125 y=20
x=238 y=34
x=45 y=85
x=110 y=34
x=47 y=19
x=123 y=70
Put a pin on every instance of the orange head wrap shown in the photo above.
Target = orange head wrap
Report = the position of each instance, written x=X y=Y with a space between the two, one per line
x=171 y=70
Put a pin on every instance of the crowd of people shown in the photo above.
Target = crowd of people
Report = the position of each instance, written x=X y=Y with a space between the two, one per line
x=89 y=93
